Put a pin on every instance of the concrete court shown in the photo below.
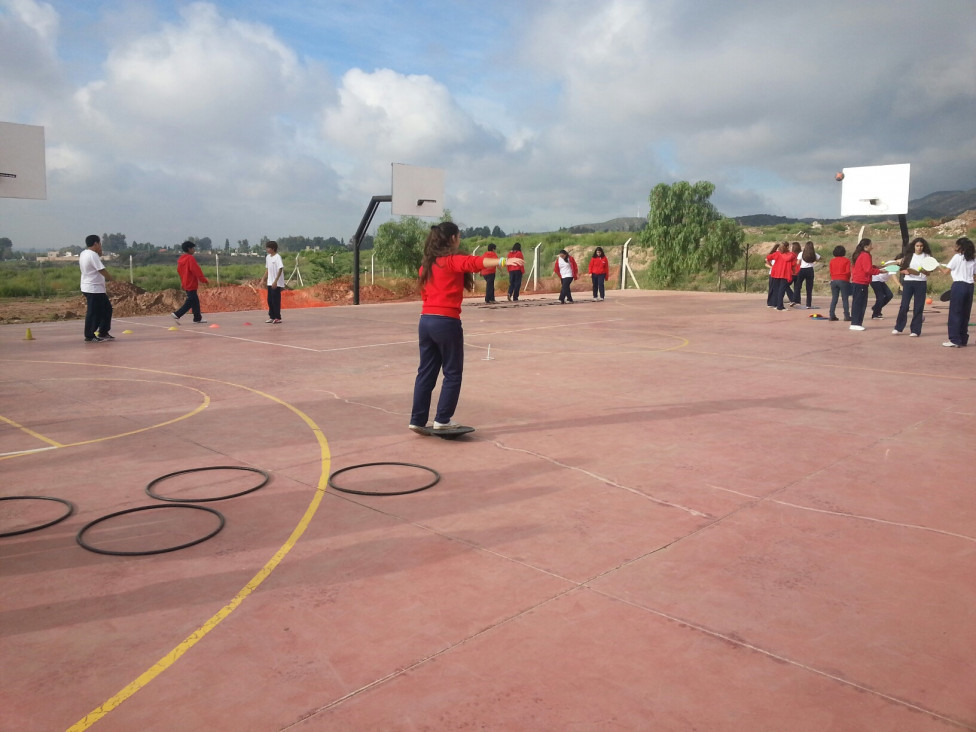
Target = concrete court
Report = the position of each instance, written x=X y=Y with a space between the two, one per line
x=679 y=511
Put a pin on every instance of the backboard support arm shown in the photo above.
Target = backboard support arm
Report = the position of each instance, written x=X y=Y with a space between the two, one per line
x=357 y=239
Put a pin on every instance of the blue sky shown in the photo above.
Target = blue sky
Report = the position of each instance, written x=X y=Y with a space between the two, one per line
x=237 y=119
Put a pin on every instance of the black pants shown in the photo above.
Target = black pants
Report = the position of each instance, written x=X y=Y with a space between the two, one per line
x=912 y=295
x=598 y=280
x=804 y=275
x=564 y=294
x=859 y=303
x=98 y=314
x=489 y=287
x=192 y=303
x=274 y=302
x=514 y=283
x=960 y=308
x=441 y=347
x=882 y=296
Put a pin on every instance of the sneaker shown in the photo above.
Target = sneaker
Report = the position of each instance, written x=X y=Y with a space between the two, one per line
x=106 y=337
x=269 y=320
x=509 y=298
x=445 y=426
x=913 y=335
x=276 y=321
x=877 y=317
x=833 y=317
x=175 y=317
x=95 y=339
x=947 y=344
x=847 y=318
x=200 y=321
x=417 y=428
x=896 y=332
x=807 y=307
x=857 y=327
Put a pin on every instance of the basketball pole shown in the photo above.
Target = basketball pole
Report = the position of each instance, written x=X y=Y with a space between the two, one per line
x=357 y=239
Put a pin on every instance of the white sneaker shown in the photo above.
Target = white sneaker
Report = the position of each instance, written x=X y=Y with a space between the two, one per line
x=913 y=335
x=202 y=320
x=418 y=429
x=896 y=332
x=448 y=426
x=947 y=344
x=857 y=327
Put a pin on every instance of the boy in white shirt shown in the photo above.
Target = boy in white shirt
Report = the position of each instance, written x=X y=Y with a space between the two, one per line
x=274 y=272
x=98 y=315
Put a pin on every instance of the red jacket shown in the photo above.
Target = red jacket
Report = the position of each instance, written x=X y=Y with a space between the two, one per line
x=598 y=265
x=863 y=269
x=444 y=289
x=783 y=265
x=489 y=270
x=190 y=273
x=840 y=269
x=572 y=263
x=515 y=261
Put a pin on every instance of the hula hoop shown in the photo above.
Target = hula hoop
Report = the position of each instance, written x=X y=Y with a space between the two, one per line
x=149 y=487
x=437 y=477
x=89 y=547
x=69 y=504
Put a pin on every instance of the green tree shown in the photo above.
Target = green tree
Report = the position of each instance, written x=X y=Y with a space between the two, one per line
x=722 y=246
x=6 y=248
x=400 y=244
x=684 y=228
x=114 y=242
x=226 y=245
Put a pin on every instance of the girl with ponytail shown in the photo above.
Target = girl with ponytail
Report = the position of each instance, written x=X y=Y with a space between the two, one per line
x=444 y=275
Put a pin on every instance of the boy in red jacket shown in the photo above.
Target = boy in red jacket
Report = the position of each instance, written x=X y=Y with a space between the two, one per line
x=190 y=278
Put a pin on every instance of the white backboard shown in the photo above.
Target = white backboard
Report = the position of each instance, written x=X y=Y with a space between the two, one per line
x=875 y=190
x=23 y=173
x=417 y=191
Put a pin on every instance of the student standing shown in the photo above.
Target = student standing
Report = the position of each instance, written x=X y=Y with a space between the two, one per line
x=793 y=287
x=914 y=288
x=515 y=264
x=190 y=278
x=567 y=271
x=599 y=270
x=862 y=270
x=98 y=311
x=808 y=258
x=961 y=266
x=274 y=273
x=840 y=282
x=782 y=272
x=488 y=273
x=444 y=275
x=771 y=286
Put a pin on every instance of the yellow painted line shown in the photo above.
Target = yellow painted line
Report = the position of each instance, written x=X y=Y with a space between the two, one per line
x=32 y=433
x=203 y=405
x=197 y=635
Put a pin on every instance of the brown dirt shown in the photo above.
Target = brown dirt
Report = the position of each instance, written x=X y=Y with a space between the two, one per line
x=129 y=301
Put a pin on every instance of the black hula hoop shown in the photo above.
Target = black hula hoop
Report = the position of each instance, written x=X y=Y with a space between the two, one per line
x=149 y=487
x=437 y=477
x=69 y=504
x=95 y=549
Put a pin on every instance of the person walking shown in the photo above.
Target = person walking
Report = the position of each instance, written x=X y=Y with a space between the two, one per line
x=567 y=271
x=190 y=278
x=961 y=267
x=98 y=310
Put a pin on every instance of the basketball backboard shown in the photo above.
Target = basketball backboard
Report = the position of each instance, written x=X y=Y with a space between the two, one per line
x=417 y=191
x=875 y=190
x=22 y=169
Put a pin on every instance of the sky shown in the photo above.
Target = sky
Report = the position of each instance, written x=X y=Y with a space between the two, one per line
x=237 y=119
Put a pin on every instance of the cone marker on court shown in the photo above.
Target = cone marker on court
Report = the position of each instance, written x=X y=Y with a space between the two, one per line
x=28 y=337
x=172 y=327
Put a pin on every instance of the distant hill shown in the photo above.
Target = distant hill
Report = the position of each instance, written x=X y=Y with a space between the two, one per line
x=937 y=206
x=941 y=205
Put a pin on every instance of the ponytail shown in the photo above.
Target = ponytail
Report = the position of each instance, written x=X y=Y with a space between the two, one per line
x=438 y=244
